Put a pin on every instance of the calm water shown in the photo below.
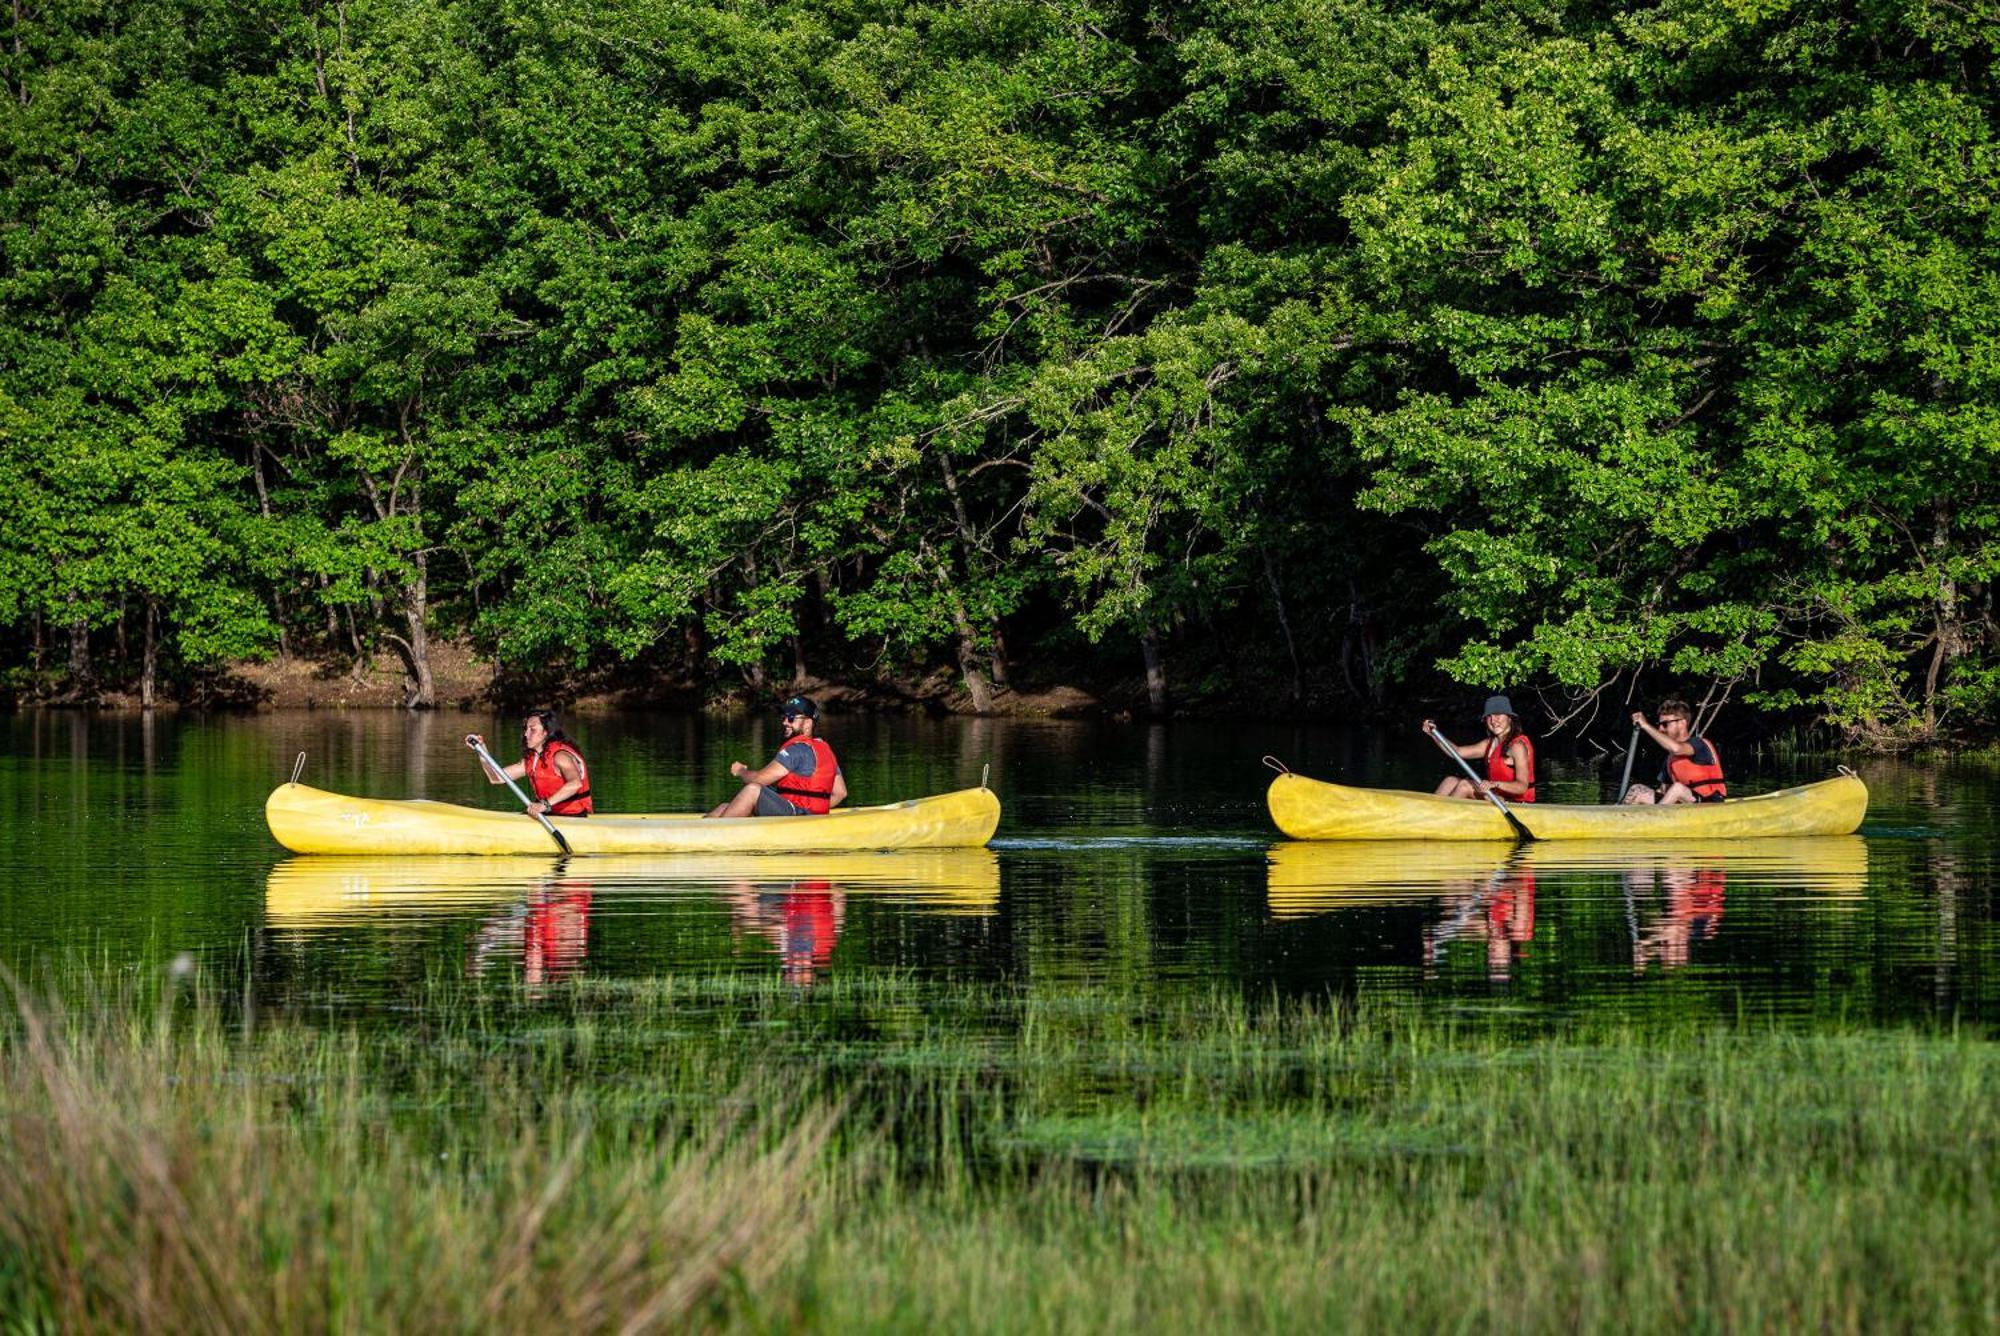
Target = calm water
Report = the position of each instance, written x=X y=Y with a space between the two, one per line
x=1130 y=856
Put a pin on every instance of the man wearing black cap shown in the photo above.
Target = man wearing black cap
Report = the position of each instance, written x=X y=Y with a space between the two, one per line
x=803 y=779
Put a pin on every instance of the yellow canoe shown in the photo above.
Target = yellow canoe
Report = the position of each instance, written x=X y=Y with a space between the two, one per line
x=1313 y=877
x=323 y=892
x=1310 y=809
x=312 y=821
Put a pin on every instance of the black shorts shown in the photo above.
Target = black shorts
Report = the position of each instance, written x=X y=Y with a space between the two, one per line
x=770 y=802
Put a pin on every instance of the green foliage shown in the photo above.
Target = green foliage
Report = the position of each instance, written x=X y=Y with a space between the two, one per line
x=1561 y=346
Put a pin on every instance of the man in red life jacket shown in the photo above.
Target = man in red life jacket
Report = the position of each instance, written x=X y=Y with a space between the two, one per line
x=1693 y=769
x=552 y=765
x=803 y=779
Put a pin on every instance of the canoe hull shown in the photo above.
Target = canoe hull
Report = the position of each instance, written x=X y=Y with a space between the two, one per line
x=1310 y=809
x=313 y=821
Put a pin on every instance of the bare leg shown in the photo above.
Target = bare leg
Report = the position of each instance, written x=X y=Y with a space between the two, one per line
x=1454 y=786
x=1641 y=795
x=743 y=804
x=1678 y=793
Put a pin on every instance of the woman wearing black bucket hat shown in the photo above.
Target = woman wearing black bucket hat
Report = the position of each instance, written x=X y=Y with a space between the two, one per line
x=1509 y=753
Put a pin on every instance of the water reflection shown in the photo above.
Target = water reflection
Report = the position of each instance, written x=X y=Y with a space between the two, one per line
x=548 y=932
x=548 y=909
x=1673 y=895
x=1669 y=909
x=1500 y=912
x=801 y=923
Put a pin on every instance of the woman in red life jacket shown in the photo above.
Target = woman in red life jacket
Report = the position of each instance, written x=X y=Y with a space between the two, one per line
x=552 y=765
x=1508 y=752
x=803 y=779
x=1693 y=769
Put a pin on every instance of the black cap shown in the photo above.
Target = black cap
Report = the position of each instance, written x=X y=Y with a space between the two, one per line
x=800 y=705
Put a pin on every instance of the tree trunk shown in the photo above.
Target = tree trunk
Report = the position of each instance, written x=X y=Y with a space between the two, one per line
x=798 y=659
x=1156 y=673
x=79 y=654
x=999 y=658
x=1285 y=625
x=421 y=692
x=968 y=665
x=277 y=590
x=41 y=644
x=1948 y=634
x=149 y=662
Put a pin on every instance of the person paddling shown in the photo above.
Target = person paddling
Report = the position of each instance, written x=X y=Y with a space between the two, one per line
x=552 y=765
x=1509 y=755
x=1693 y=769
x=803 y=779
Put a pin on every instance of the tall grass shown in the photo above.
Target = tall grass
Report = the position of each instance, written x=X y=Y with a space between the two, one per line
x=665 y=1153
x=166 y=1177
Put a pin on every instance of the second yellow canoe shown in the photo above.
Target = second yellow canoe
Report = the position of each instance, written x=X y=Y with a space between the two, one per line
x=1310 y=809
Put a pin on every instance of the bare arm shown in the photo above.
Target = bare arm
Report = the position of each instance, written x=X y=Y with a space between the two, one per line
x=839 y=794
x=1672 y=748
x=1468 y=750
x=518 y=770
x=769 y=775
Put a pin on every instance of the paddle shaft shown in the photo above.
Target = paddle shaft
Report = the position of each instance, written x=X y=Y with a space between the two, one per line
x=1520 y=830
x=494 y=767
x=1631 y=750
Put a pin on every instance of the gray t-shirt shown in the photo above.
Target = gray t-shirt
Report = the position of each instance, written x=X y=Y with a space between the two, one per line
x=800 y=759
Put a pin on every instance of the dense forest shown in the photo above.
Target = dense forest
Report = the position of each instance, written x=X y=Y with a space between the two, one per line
x=1311 y=350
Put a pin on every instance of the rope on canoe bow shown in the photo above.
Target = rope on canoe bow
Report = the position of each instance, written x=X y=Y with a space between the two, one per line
x=298 y=767
x=1277 y=765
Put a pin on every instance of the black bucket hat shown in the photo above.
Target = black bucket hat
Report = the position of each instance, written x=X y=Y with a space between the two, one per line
x=1498 y=705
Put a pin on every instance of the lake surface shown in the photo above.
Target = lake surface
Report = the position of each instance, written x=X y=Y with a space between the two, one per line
x=1131 y=857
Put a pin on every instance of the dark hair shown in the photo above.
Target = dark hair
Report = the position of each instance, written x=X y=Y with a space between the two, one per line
x=551 y=726
x=1675 y=705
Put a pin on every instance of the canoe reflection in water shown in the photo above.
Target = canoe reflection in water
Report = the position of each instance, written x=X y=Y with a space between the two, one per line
x=540 y=908
x=1672 y=894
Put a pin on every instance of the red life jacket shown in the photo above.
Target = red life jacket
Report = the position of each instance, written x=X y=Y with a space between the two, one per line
x=1705 y=781
x=546 y=779
x=1499 y=768
x=812 y=794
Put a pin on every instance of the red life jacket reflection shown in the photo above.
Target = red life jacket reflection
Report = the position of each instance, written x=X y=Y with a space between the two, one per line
x=1705 y=781
x=811 y=793
x=1499 y=767
x=546 y=779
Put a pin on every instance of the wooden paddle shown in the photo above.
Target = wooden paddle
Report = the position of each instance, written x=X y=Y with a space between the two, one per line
x=1520 y=831
x=493 y=768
